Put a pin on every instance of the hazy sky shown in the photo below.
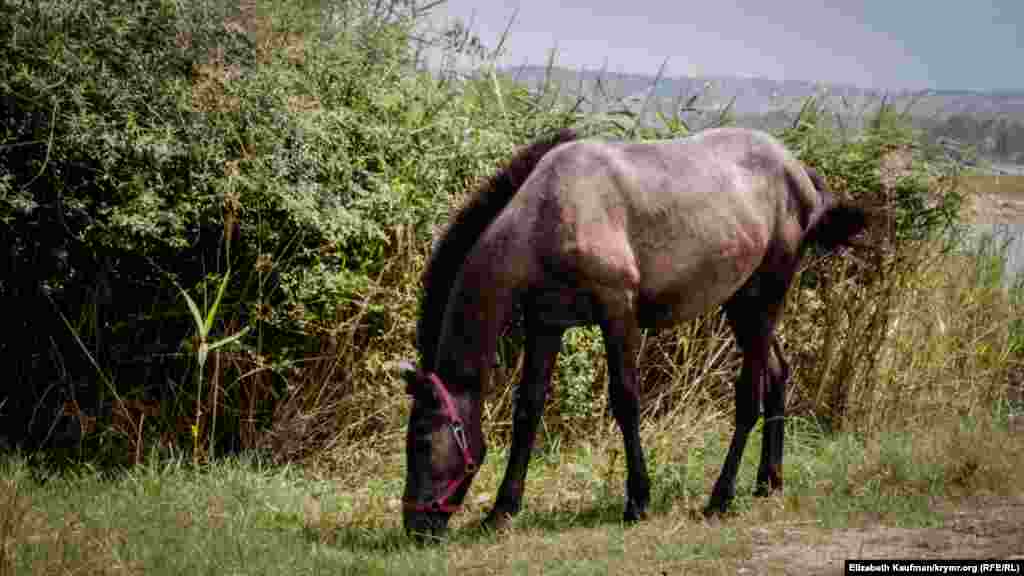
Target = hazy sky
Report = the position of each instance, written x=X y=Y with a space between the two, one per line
x=946 y=44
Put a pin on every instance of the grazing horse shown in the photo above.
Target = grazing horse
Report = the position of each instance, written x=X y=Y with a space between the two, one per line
x=626 y=236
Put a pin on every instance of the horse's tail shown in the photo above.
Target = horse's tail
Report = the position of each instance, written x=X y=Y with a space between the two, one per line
x=834 y=223
x=466 y=227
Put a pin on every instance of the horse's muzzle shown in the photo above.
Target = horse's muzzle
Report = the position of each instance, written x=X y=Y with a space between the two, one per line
x=425 y=527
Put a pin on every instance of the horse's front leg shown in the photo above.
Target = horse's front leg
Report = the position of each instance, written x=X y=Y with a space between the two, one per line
x=621 y=340
x=747 y=400
x=542 y=346
x=753 y=324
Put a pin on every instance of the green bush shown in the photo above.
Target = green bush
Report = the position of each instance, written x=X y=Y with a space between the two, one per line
x=109 y=179
x=580 y=397
x=293 y=144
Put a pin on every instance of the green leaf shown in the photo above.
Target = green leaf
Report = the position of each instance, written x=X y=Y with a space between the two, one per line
x=197 y=316
x=229 y=339
x=212 y=312
x=204 y=351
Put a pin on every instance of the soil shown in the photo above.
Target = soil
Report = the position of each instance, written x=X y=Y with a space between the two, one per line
x=997 y=209
x=982 y=527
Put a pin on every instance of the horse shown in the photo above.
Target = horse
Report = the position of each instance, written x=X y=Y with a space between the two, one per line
x=627 y=236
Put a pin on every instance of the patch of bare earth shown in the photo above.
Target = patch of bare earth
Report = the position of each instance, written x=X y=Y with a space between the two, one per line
x=998 y=208
x=976 y=528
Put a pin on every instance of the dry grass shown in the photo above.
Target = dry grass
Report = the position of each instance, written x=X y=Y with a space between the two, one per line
x=15 y=507
x=1008 y=186
x=63 y=544
x=344 y=400
x=996 y=199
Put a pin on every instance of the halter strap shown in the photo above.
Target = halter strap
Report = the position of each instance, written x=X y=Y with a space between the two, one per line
x=458 y=431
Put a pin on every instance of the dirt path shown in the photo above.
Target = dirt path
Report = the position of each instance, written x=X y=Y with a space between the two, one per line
x=980 y=527
x=997 y=209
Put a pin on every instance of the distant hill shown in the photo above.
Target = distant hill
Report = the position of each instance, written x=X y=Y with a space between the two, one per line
x=990 y=122
x=762 y=95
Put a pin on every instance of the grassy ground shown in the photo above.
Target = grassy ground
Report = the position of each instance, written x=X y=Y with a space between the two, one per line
x=241 y=517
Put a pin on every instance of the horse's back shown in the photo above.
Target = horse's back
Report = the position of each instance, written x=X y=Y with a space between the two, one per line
x=680 y=223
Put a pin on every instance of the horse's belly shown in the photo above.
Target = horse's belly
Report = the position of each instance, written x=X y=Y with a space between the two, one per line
x=675 y=292
x=684 y=276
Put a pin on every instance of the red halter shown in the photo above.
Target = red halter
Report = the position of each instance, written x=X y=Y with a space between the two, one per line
x=440 y=504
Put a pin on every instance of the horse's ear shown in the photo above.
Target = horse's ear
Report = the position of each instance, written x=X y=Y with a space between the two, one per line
x=405 y=368
x=408 y=372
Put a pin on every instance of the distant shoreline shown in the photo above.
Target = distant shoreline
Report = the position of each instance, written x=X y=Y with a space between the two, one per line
x=998 y=168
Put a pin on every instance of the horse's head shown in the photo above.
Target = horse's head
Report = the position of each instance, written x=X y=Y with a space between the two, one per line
x=444 y=448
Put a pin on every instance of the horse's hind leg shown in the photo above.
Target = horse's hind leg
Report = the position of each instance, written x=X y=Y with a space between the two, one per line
x=542 y=346
x=769 y=473
x=621 y=340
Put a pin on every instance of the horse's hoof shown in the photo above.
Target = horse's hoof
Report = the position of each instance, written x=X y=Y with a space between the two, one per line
x=634 y=512
x=715 y=510
x=496 y=522
x=765 y=489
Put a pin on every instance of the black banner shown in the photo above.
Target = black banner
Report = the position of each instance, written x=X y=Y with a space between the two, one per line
x=866 y=567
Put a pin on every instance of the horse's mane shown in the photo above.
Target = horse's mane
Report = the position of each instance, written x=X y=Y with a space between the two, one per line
x=467 y=225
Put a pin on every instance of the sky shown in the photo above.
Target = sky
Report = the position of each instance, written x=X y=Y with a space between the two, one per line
x=882 y=44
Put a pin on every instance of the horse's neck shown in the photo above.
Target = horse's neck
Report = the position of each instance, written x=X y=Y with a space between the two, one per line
x=475 y=315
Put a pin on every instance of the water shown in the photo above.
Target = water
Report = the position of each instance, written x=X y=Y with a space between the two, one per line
x=1010 y=235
